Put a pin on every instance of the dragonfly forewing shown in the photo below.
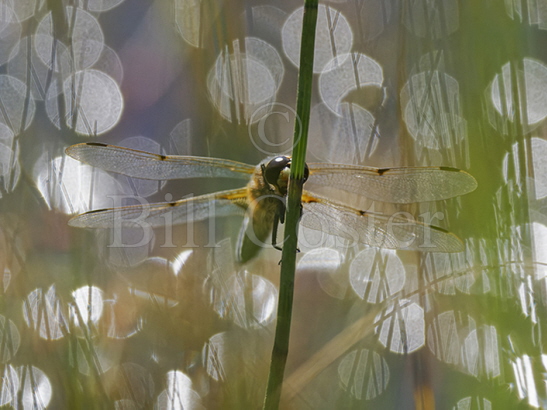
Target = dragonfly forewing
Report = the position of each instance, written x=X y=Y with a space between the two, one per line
x=395 y=185
x=390 y=232
x=199 y=208
x=140 y=164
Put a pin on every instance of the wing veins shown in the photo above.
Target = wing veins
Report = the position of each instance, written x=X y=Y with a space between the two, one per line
x=375 y=229
x=231 y=202
x=395 y=185
x=145 y=165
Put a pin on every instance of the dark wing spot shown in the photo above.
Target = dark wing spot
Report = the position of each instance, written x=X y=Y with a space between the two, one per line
x=381 y=171
x=95 y=211
x=172 y=203
x=361 y=213
x=162 y=157
x=96 y=144
x=450 y=169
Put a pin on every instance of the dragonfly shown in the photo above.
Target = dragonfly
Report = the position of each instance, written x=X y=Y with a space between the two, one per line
x=262 y=200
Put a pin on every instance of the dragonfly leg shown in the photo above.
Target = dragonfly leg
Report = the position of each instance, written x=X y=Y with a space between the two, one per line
x=280 y=218
x=274 y=232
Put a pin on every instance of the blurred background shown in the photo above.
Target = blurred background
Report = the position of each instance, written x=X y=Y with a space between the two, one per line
x=173 y=322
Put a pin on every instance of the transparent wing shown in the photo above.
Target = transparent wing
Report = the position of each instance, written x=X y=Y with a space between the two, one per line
x=225 y=203
x=375 y=229
x=396 y=185
x=140 y=164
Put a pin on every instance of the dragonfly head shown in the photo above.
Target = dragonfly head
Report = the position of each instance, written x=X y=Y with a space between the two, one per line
x=277 y=171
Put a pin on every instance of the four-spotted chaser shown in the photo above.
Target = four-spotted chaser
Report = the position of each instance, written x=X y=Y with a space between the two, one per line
x=262 y=200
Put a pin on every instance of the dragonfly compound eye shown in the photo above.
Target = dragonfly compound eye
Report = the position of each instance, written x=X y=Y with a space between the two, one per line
x=306 y=172
x=273 y=172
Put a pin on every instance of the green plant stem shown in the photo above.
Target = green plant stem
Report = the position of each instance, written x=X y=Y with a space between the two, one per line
x=288 y=261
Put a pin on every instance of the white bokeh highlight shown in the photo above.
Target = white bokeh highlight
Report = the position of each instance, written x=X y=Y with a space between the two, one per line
x=333 y=37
